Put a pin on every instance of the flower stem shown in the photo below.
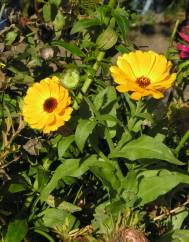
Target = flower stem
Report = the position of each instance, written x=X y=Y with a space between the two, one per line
x=88 y=81
x=173 y=36
x=95 y=67
x=182 y=142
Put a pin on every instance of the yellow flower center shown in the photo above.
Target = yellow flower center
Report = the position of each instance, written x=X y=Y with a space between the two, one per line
x=50 y=104
x=143 y=81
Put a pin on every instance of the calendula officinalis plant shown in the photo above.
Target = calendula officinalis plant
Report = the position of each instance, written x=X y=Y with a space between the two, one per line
x=94 y=129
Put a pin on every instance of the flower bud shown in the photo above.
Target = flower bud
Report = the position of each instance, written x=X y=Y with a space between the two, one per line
x=106 y=39
x=70 y=78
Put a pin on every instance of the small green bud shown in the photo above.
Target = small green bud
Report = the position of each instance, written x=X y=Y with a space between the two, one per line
x=106 y=39
x=70 y=78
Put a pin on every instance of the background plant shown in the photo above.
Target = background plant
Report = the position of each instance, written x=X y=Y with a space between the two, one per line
x=116 y=164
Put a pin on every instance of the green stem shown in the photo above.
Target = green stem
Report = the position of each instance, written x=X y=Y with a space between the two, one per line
x=182 y=142
x=89 y=80
x=109 y=140
x=96 y=65
x=172 y=36
x=174 y=32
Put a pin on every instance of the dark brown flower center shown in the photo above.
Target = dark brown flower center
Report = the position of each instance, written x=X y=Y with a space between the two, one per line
x=143 y=81
x=50 y=104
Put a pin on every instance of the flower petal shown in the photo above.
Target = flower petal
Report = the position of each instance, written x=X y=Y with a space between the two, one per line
x=33 y=106
x=184 y=36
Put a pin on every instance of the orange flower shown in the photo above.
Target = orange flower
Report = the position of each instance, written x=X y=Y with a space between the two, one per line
x=143 y=73
x=46 y=105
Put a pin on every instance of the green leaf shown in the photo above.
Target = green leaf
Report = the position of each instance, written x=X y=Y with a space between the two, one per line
x=69 y=46
x=122 y=49
x=69 y=207
x=59 y=23
x=64 y=144
x=181 y=235
x=103 y=221
x=55 y=2
x=70 y=167
x=154 y=183
x=106 y=103
x=47 y=12
x=178 y=218
x=122 y=22
x=125 y=138
x=17 y=187
x=109 y=174
x=10 y=37
x=83 y=130
x=84 y=24
x=130 y=188
x=175 y=236
x=107 y=171
x=56 y=217
x=66 y=169
x=146 y=147
x=41 y=179
x=16 y=231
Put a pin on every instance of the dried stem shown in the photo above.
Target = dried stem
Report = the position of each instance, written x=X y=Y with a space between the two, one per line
x=173 y=211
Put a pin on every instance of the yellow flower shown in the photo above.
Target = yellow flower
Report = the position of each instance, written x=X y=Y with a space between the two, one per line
x=46 y=105
x=143 y=73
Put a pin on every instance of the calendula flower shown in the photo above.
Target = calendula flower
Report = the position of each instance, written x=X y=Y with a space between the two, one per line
x=46 y=105
x=143 y=73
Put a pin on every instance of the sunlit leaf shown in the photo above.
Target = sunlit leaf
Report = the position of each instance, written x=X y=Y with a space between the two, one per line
x=146 y=147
